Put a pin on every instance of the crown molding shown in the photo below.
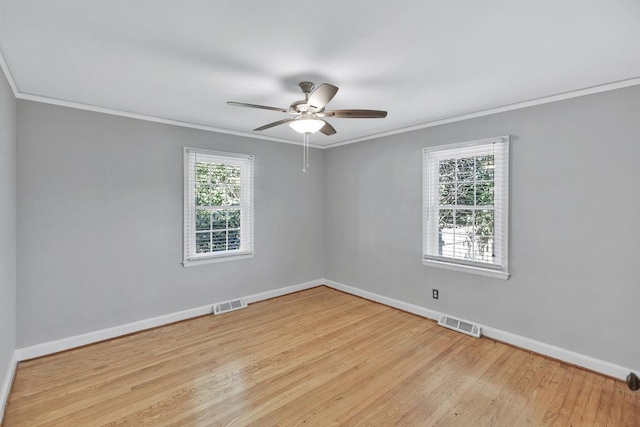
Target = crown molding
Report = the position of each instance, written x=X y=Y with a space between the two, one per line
x=9 y=77
x=148 y=118
x=510 y=107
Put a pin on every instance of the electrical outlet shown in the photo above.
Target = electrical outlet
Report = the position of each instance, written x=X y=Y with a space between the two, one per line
x=436 y=294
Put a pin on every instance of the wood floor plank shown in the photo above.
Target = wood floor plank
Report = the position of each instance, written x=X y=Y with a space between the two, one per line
x=540 y=399
x=199 y=361
x=301 y=362
x=355 y=380
x=587 y=400
x=522 y=403
x=228 y=362
x=567 y=407
x=369 y=383
x=316 y=357
x=482 y=392
x=446 y=397
x=429 y=386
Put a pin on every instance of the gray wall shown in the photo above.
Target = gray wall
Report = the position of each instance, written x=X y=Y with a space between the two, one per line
x=100 y=222
x=7 y=226
x=575 y=240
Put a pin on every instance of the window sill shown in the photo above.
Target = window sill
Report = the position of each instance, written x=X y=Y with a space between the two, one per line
x=466 y=269
x=218 y=258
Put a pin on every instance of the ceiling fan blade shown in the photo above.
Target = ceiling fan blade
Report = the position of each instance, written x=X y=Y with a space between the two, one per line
x=321 y=96
x=354 y=114
x=327 y=129
x=262 y=107
x=270 y=125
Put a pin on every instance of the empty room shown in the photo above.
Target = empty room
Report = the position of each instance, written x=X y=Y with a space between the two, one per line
x=413 y=213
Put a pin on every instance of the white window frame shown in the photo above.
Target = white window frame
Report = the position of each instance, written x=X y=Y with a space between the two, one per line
x=245 y=162
x=431 y=200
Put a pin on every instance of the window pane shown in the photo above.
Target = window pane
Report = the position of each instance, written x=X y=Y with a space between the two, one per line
x=485 y=167
x=234 y=240
x=217 y=196
x=446 y=220
x=447 y=170
x=233 y=195
x=483 y=249
x=202 y=172
x=464 y=221
x=203 y=195
x=466 y=194
x=203 y=242
x=218 y=174
x=203 y=220
x=234 y=218
x=484 y=223
x=446 y=244
x=219 y=219
x=484 y=194
x=219 y=241
x=465 y=170
x=463 y=247
x=447 y=194
x=233 y=175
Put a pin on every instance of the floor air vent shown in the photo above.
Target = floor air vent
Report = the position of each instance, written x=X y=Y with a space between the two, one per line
x=227 y=306
x=461 y=326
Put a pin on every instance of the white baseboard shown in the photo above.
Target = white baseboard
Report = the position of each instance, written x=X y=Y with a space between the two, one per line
x=68 y=343
x=6 y=385
x=25 y=353
x=587 y=362
x=283 y=291
x=401 y=305
x=50 y=347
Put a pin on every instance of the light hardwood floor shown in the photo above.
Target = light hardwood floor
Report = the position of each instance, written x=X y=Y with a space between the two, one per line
x=317 y=357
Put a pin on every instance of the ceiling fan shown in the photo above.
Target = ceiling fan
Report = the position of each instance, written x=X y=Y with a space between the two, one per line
x=308 y=114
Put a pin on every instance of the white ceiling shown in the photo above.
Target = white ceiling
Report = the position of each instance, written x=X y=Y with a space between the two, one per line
x=422 y=61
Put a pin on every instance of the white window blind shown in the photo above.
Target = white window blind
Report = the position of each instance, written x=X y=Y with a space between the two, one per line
x=465 y=206
x=218 y=206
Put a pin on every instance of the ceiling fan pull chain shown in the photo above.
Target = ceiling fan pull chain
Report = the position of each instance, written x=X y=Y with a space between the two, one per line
x=305 y=137
x=307 y=149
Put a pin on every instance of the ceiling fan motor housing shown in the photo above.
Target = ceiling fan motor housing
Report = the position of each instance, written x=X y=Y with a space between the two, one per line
x=298 y=106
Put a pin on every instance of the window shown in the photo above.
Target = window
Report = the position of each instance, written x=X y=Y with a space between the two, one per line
x=465 y=207
x=218 y=206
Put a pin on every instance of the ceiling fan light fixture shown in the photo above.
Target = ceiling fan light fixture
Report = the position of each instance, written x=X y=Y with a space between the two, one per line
x=307 y=123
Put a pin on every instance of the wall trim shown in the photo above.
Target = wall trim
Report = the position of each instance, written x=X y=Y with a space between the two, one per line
x=510 y=107
x=7 y=74
x=568 y=356
x=283 y=291
x=6 y=385
x=149 y=118
x=401 y=305
x=43 y=349
x=51 y=347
